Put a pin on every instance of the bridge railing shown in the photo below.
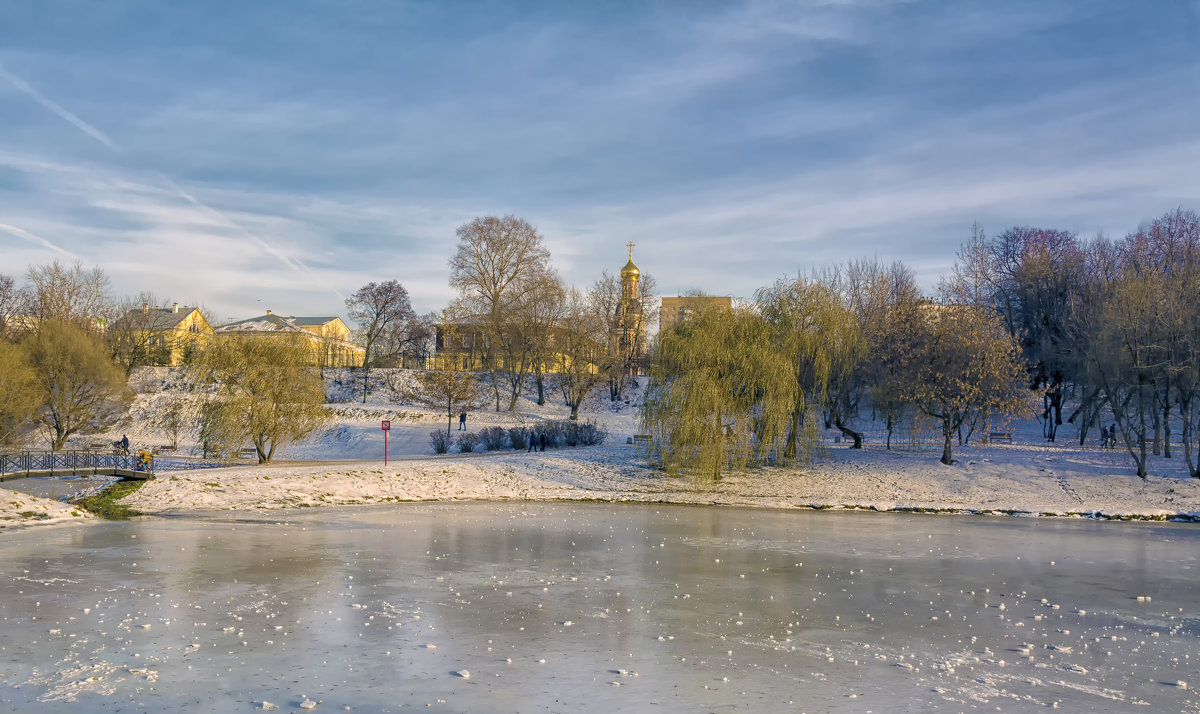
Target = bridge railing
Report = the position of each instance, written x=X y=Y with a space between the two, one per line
x=21 y=463
x=24 y=462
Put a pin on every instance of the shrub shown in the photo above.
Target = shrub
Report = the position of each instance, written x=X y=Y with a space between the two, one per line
x=591 y=434
x=467 y=441
x=519 y=437
x=554 y=431
x=585 y=434
x=440 y=441
x=493 y=437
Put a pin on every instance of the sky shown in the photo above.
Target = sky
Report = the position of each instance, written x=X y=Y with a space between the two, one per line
x=278 y=155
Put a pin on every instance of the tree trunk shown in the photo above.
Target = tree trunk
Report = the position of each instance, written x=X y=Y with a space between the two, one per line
x=538 y=378
x=1157 y=424
x=948 y=445
x=890 y=426
x=793 y=437
x=1166 y=420
x=1185 y=414
x=366 y=377
x=849 y=432
x=575 y=411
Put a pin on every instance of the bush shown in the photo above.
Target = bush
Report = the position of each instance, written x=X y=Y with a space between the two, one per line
x=586 y=434
x=467 y=441
x=554 y=431
x=440 y=441
x=518 y=437
x=493 y=437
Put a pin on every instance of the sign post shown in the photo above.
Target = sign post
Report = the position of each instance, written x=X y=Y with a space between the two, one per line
x=387 y=426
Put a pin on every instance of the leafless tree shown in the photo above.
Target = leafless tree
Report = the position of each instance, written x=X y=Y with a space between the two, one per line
x=12 y=307
x=381 y=311
x=69 y=294
x=498 y=266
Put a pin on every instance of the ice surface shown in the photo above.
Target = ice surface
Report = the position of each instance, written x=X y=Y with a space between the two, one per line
x=581 y=607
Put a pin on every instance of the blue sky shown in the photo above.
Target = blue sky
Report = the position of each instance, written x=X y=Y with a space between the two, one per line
x=252 y=155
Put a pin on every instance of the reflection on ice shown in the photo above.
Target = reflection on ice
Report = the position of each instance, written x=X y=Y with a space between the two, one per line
x=553 y=607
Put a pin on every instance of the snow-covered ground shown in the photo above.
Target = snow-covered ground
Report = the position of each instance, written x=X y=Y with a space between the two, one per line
x=21 y=509
x=344 y=465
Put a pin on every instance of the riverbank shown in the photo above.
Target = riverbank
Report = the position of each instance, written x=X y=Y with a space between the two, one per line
x=1018 y=480
x=23 y=509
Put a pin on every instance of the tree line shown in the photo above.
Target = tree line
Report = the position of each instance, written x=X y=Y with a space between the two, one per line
x=1032 y=320
x=68 y=347
x=1029 y=321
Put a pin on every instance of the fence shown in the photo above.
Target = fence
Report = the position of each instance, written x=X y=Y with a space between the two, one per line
x=22 y=464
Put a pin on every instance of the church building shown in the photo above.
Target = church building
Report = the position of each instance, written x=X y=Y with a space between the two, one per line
x=629 y=324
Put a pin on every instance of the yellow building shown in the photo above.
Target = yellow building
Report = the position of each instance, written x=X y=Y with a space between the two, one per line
x=169 y=335
x=675 y=309
x=328 y=337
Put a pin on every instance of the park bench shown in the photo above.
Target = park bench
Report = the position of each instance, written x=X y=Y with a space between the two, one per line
x=99 y=446
x=641 y=439
x=248 y=453
x=998 y=436
x=163 y=450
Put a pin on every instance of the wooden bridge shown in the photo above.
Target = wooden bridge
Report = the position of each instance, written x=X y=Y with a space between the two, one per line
x=27 y=464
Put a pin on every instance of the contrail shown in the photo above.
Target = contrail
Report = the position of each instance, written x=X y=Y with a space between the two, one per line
x=26 y=235
x=59 y=110
x=294 y=263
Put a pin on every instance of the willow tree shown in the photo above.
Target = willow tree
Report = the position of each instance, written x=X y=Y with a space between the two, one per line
x=720 y=395
x=966 y=365
x=266 y=393
x=18 y=392
x=79 y=387
x=820 y=340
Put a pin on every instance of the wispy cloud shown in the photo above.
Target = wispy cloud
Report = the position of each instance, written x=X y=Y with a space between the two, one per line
x=733 y=142
x=58 y=109
x=36 y=240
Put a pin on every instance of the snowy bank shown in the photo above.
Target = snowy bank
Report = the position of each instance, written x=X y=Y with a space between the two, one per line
x=997 y=479
x=23 y=509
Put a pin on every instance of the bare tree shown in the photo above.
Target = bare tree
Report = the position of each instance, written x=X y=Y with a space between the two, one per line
x=581 y=346
x=136 y=337
x=12 y=305
x=538 y=320
x=73 y=294
x=450 y=387
x=381 y=311
x=498 y=266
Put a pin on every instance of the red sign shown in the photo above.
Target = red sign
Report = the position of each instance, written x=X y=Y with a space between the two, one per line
x=387 y=424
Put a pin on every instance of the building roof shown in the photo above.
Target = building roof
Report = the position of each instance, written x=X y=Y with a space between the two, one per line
x=262 y=323
x=312 y=320
x=154 y=318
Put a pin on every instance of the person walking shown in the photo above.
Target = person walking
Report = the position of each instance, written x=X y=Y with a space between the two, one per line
x=532 y=441
x=124 y=444
x=542 y=440
x=462 y=421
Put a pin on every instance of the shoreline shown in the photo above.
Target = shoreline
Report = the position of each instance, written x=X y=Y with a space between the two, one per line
x=1018 y=481
x=1011 y=481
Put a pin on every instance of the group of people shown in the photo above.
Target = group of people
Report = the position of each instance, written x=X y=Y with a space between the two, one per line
x=537 y=441
x=1108 y=436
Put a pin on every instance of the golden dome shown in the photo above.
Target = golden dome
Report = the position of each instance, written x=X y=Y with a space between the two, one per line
x=630 y=269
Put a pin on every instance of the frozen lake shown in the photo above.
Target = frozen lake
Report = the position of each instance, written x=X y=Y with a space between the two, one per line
x=591 y=607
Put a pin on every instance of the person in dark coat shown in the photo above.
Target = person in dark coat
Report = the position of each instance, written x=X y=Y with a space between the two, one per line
x=532 y=441
x=462 y=421
x=542 y=440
